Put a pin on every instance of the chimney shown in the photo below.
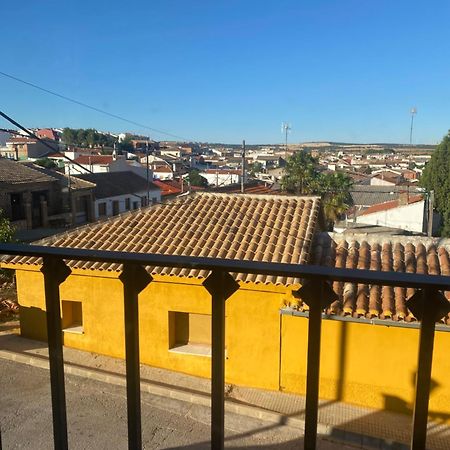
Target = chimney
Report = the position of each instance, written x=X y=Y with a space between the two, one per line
x=403 y=198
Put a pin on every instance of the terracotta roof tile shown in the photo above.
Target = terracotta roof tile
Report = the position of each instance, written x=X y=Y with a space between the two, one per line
x=247 y=227
x=94 y=159
x=390 y=205
x=385 y=253
x=13 y=172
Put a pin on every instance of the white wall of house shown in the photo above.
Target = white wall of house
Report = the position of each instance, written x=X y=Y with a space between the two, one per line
x=221 y=179
x=136 y=200
x=162 y=175
x=375 y=181
x=407 y=217
x=119 y=165
x=135 y=167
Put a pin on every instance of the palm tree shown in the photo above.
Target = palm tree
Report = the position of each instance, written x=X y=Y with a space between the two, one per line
x=300 y=173
x=335 y=191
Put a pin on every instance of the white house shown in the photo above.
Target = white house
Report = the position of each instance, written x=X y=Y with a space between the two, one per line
x=96 y=164
x=408 y=212
x=221 y=177
x=118 y=192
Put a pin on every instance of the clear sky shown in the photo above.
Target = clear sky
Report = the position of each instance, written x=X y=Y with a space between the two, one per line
x=223 y=71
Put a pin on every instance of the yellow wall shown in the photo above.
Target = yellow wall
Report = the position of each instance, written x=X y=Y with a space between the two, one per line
x=369 y=365
x=376 y=369
x=252 y=323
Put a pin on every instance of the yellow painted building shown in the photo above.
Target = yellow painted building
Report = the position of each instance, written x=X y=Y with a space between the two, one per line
x=266 y=337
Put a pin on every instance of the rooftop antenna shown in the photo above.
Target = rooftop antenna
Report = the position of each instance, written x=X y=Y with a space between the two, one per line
x=285 y=129
x=413 y=113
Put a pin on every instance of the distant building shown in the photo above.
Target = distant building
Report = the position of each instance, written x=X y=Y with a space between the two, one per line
x=29 y=197
x=386 y=179
x=47 y=133
x=162 y=171
x=25 y=148
x=95 y=163
x=118 y=192
x=407 y=212
x=221 y=177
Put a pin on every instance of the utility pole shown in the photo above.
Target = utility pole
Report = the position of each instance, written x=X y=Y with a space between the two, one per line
x=413 y=113
x=430 y=213
x=243 y=168
x=148 y=174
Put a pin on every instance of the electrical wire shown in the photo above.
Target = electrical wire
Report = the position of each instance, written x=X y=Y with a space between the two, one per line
x=56 y=150
x=93 y=108
x=9 y=119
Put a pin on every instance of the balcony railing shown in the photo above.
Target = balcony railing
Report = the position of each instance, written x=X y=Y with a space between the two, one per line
x=427 y=304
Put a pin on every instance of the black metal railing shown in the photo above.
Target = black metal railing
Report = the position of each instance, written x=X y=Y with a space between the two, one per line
x=428 y=305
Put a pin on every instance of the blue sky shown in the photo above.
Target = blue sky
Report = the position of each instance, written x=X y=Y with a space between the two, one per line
x=223 y=71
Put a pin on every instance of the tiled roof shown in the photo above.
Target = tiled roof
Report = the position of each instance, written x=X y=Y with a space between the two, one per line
x=64 y=180
x=111 y=184
x=22 y=140
x=244 y=227
x=387 y=253
x=169 y=187
x=388 y=176
x=47 y=133
x=12 y=172
x=94 y=159
x=371 y=195
x=391 y=205
x=165 y=169
x=249 y=188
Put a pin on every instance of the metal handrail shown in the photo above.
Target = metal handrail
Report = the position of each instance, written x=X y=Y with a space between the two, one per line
x=375 y=277
x=221 y=286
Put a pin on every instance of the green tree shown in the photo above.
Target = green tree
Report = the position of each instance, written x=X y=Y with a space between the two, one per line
x=125 y=145
x=6 y=235
x=334 y=189
x=47 y=163
x=195 y=179
x=68 y=136
x=303 y=177
x=436 y=177
x=255 y=168
x=6 y=229
x=300 y=173
x=91 y=137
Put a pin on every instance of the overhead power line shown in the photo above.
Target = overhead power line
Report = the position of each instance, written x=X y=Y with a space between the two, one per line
x=93 y=108
x=55 y=150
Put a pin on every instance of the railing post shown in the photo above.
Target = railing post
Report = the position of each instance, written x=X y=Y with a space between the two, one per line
x=220 y=285
x=55 y=272
x=317 y=295
x=134 y=278
x=429 y=306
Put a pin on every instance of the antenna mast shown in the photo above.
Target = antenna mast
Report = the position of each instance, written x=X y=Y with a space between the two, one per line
x=285 y=129
x=243 y=168
x=413 y=113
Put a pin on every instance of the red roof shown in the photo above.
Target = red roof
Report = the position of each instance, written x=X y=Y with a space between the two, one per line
x=173 y=187
x=47 y=133
x=24 y=140
x=94 y=159
x=165 y=169
x=249 y=188
x=168 y=187
x=391 y=205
